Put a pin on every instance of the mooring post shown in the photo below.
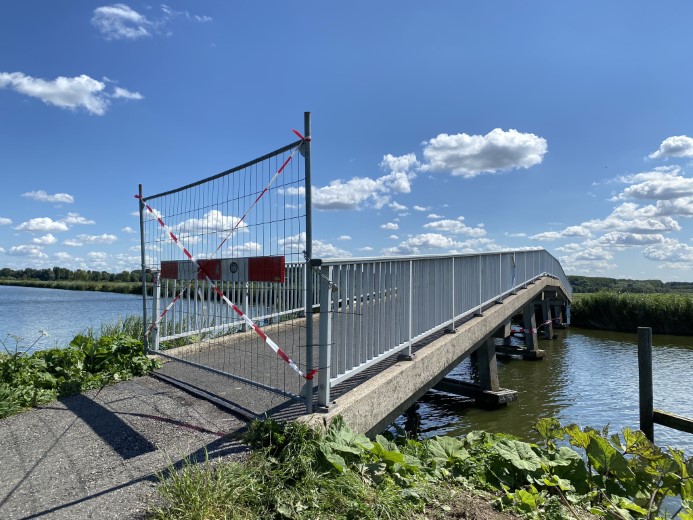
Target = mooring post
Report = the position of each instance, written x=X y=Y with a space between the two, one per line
x=645 y=381
x=488 y=366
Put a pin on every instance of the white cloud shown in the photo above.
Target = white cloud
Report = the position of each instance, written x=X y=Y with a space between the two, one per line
x=122 y=93
x=72 y=243
x=670 y=250
x=356 y=192
x=42 y=224
x=45 y=240
x=64 y=257
x=128 y=229
x=96 y=239
x=119 y=21
x=457 y=227
x=71 y=93
x=472 y=155
x=325 y=250
x=615 y=238
x=389 y=225
x=631 y=218
x=414 y=245
x=213 y=221
x=33 y=251
x=97 y=255
x=420 y=208
x=5 y=221
x=396 y=206
x=42 y=196
x=434 y=215
x=344 y=237
x=664 y=183
x=675 y=146
x=365 y=249
x=76 y=218
x=393 y=237
x=515 y=235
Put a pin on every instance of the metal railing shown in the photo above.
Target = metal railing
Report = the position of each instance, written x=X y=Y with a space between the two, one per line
x=374 y=308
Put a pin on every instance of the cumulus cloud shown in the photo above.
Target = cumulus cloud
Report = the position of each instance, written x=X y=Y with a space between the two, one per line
x=72 y=242
x=45 y=240
x=119 y=92
x=42 y=196
x=297 y=244
x=433 y=215
x=389 y=225
x=128 y=229
x=42 y=224
x=76 y=218
x=456 y=227
x=4 y=221
x=213 y=221
x=670 y=250
x=665 y=183
x=34 y=251
x=471 y=155
x=396 y=206
x=359 y=191
x=416 y=244
x=675 y=146
x=344 y=237
x=96 y=239
x=70 y=93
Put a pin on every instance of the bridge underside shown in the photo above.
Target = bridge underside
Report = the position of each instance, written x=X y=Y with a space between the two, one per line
x=375 y=403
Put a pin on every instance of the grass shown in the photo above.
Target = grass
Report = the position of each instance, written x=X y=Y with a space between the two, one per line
x=78 y=285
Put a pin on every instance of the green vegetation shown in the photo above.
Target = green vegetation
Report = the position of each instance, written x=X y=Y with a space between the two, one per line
x=665 y=313
x=27 y=380
x=296 y=472
x=126 y=282
x=589 y=284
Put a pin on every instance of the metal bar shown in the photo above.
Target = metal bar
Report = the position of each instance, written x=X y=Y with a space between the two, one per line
x=325 y=345
x=144 y=272
x=156 y=295
x=671 y=420
x=309 y=252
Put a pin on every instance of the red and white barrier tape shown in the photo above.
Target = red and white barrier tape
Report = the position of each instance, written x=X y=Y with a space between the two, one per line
x=531 y=331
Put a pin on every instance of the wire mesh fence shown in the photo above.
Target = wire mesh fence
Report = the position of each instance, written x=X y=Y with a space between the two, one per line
x=227 y=256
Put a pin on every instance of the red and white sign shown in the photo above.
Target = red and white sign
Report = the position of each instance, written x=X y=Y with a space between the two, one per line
x=249 y=269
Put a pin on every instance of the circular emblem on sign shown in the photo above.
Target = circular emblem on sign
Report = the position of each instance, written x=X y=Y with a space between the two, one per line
x=233 y=267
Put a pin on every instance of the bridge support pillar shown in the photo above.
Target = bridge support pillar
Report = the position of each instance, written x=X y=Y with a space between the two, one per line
x=488 y=366
x=546 y=319
x=530 y=325
x=504 y=331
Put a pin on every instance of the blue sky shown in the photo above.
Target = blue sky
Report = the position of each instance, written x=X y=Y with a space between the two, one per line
x=439 y=127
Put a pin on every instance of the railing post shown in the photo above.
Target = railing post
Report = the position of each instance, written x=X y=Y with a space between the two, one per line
x=156 y=297
x=411 y=304
x=452 y=304
x=246 y=304
x=645 y=382
x=325 y=338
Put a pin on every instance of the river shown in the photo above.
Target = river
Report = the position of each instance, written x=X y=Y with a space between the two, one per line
x=587 y=377
x=25 y=311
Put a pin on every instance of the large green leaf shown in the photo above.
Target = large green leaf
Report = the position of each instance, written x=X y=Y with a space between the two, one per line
x=446 y=450
x=607 y=459
x=519 y=454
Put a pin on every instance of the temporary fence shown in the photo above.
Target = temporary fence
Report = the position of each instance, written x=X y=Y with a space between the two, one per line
x=229 y=279
x=373 y=308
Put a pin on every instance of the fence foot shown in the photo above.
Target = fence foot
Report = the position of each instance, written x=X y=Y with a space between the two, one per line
x=405 y=357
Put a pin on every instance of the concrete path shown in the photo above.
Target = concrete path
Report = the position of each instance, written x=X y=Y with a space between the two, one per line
x=96 y=455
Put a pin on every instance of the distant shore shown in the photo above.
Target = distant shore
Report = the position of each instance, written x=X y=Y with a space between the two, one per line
x=78 y=285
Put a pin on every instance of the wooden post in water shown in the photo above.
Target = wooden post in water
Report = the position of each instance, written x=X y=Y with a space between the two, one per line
x=645 y=381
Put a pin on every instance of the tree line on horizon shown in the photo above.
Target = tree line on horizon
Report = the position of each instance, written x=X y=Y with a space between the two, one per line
x=594 y=284
x=62 y=273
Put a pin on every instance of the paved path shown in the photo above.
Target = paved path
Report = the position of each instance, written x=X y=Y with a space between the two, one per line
x=96 y=455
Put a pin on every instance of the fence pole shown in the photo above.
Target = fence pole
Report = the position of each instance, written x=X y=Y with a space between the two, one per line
x=156 y=298
x=309 y=254
x=144 y=273
x=645 y=381
x=325 y=352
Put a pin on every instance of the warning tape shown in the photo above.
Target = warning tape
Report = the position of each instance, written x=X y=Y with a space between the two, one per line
x=202 y=270
x=531 y=331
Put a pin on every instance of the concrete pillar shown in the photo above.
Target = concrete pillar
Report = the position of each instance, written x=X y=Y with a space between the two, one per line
x=546 y=319
x=488 y=366
x=557 y=314
x=530 y=325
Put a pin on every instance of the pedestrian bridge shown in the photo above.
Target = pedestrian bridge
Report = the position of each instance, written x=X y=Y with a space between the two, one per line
x=380 y=332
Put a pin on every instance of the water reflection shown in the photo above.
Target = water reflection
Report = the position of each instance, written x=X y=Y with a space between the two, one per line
x=587 y=377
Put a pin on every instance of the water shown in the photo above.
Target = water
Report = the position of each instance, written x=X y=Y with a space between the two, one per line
x=25 y=311
x=587 y=377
